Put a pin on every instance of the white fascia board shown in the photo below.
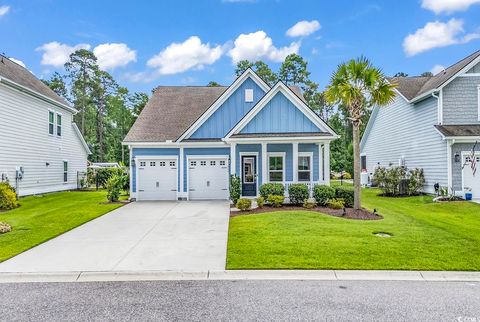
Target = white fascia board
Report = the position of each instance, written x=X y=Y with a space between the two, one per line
x=36 y=94
x=448 y=81
x=281 y=87
x=176 y=144
x=283 y=139
x=80 y=136
x=228 y=92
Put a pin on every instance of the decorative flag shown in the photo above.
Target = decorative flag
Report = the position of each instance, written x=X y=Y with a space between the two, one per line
x=473 y=162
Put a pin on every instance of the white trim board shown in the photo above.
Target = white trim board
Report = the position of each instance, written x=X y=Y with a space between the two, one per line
x=297 y=102
x=284 y=162
x=228 y=92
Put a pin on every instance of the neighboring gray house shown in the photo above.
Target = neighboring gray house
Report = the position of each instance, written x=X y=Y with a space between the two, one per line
x=433 y=124
x=41 y=149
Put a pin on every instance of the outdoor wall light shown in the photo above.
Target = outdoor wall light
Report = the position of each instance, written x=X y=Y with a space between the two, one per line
x=47 y=164
x=133 y=162
x=457 y=157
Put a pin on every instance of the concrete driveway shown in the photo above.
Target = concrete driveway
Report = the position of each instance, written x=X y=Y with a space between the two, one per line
x=141 y=236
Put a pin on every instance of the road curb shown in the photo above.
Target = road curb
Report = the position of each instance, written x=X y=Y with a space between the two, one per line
x=323 y=275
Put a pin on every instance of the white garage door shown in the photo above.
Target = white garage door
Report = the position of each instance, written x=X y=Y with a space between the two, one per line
x=208 y=178
x=469 y=180
x=157 y=179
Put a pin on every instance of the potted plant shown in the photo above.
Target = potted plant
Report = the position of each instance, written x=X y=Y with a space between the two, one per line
x=468 y=193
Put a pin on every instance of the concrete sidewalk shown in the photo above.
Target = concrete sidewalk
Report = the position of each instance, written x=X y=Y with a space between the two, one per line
x=325 y=275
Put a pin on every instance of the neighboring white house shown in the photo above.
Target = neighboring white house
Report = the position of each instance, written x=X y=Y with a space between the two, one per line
x=433 y=124
x=41 y=149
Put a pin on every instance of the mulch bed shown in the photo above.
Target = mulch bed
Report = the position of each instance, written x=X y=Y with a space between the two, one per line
x=361 y=214
x=115 y=202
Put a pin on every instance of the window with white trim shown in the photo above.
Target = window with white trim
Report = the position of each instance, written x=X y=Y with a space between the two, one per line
x=172 y=163
x=51 y=122
x=162 y=163
x=203 y=162
x=193 y=163
x=59 y=124
x=65 y=171
x=152 y=163
x=305 y=167
x=212 y=162
x=249 y=95
x=222 y=162
x=276 y=168
x=142 y=163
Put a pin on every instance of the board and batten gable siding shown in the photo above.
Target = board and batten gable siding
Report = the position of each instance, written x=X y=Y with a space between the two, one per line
x=280 y=115
x=460 y=101
x=230 y=112
x=404 y=130
x=25 y=142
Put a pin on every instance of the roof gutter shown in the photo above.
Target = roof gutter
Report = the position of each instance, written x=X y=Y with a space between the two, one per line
x=36 y=94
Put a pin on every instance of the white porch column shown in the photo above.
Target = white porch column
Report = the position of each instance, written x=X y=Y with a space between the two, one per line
x=233 y=158
x=181 y=167
x=295 y=161
x=264 y=163
x=320 y=162
x=449 y=165
x=326 y=156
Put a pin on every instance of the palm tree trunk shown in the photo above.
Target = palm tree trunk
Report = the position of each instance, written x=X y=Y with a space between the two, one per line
x=356 y=164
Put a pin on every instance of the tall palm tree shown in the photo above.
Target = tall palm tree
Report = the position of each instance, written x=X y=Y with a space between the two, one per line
x=359 y=86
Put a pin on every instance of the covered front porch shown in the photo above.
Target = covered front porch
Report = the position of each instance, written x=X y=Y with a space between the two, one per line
x=269 y=159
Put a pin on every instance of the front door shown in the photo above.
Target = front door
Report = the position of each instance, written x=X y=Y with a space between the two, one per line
x=249 y=176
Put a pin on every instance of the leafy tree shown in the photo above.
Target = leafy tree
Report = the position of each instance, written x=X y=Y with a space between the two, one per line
x=213 y=84
x=57 y=84
x=358 y=86
x=138 y=102
x=242 y=66
x=400 y=74
x=81 y=69
x=293 y=70
x=427 y=74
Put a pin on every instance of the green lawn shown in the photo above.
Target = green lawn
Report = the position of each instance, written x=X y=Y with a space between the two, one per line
x=40 y=218
x=426 y=236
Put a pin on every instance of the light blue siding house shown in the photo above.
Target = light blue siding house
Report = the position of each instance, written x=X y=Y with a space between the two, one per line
x=433 y=124
x=189 y=140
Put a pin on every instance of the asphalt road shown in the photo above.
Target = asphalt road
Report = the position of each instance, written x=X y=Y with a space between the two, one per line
x=241 y=301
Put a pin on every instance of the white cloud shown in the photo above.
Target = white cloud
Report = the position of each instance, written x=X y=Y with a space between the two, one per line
x=4 y=10
x=110 y=56
x=437 y=69
x=180 y=57
x=437 y=34
x=303 y=28
x=257 y=45
x=57 y=54
x=21 y=63
x=447 y=6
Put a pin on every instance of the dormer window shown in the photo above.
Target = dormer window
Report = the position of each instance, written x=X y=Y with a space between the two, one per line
x=249 y=95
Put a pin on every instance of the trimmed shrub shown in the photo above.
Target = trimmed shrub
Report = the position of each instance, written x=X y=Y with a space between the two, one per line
x=347 y=176
x=416 y=181
x=244 y=204
x=114 y=187
x=336 y=204
x=260 y=202
x=275 y=189
x=297 y=193
x=276 y=201
x=323 y=193
x=398 y=181
x=345 y=193
x=8 y=197
x=309 y=204
x=102 y=175
x=234 y=189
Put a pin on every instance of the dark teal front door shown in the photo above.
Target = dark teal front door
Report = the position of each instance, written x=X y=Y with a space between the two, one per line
x=249 y=175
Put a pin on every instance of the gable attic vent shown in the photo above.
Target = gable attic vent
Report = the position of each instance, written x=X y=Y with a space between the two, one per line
x=249 y=95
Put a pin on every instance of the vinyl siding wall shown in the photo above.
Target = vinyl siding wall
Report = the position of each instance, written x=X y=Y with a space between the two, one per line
x=24 y=141
x=460 y=101
x=404 y=130
x=457 y=166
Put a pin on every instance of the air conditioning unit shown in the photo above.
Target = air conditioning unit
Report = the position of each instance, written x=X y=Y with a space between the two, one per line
x=364 y=179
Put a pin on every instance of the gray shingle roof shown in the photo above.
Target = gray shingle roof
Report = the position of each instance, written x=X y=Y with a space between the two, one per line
x=412 y=87
x=173 y=109
x=20 y=75
x=459 y=130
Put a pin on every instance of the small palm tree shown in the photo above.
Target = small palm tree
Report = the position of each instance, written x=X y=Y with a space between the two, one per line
x=359 y=86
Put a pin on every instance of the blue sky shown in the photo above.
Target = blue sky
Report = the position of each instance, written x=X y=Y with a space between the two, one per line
x=145 y=43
